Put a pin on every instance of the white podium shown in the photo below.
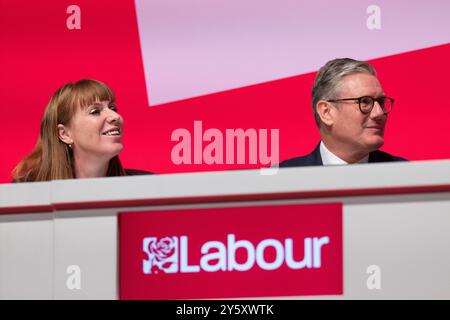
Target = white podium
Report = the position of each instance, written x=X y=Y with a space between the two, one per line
x=396 y=216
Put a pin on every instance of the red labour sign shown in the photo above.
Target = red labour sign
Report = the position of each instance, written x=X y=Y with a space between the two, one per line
x=289 y=250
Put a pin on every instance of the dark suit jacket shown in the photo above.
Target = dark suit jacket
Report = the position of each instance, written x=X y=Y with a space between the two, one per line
x=314 y=159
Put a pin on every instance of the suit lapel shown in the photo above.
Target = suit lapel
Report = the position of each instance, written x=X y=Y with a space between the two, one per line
x=314 y=157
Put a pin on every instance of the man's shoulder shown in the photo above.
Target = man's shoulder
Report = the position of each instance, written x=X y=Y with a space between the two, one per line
x=381 y=156
x=135 y=172
x=298 y=162
x=312 y=159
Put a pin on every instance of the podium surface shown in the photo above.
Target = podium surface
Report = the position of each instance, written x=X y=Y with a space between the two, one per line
x=395 y=225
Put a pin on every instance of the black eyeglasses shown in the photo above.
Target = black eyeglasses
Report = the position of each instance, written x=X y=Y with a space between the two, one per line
x=366 y=103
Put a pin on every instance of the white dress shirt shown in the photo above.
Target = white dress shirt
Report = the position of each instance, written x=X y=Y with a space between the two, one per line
x=329 y=158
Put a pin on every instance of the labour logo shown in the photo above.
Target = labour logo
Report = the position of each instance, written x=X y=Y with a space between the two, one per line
x=161 y=255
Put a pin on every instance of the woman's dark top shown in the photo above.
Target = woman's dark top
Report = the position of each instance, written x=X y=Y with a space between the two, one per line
x=134 y=172
x=128 y=172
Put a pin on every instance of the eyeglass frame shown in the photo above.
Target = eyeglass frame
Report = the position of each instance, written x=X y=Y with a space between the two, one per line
x=373 y=104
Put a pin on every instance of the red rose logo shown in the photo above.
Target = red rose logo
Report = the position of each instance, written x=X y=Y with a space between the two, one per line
x=161 y=250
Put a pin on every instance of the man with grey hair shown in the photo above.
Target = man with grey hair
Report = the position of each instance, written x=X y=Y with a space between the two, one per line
x=351 y=111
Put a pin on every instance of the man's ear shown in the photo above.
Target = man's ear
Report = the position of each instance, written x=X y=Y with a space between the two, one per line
x=64 y=134
x=325 y=111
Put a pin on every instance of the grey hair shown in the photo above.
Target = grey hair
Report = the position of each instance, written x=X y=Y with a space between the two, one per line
x=329 y=77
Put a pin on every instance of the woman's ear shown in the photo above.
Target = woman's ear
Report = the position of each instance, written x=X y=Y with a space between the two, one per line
x=64 y=134
x=325 y=111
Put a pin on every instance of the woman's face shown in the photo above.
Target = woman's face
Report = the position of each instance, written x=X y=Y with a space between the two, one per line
x=96 y=131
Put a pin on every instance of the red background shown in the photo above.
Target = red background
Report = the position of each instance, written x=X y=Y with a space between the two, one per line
x=39 y=54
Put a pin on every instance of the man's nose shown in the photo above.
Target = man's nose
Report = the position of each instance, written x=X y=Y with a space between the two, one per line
x=377 y=111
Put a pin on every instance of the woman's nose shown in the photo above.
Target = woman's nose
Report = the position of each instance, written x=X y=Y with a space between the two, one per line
x=113 y=116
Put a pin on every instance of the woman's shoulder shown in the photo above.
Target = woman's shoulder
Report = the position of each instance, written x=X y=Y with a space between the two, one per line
x=135 y=172
x=128 y=172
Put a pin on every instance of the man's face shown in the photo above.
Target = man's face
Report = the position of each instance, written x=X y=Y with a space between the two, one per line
x=351 y=127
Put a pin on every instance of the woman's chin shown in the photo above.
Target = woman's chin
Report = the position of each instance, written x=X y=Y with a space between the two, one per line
x=114 y=151
x=118 y=150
